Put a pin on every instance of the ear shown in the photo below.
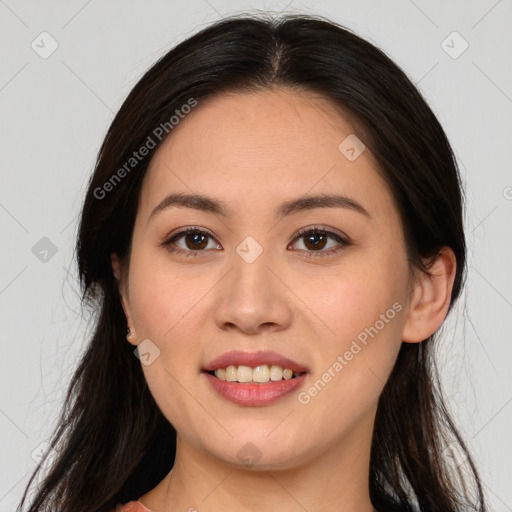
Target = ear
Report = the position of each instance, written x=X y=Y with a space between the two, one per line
x=430 y=298
x=122 y=282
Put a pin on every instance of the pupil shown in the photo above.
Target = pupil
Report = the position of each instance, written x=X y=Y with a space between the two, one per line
x=318 y=244
x=194 y=245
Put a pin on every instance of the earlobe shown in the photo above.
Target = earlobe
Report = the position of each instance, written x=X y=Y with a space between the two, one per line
x=430 y=298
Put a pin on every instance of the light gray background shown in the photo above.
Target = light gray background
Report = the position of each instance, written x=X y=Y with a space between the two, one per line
x=55 y=112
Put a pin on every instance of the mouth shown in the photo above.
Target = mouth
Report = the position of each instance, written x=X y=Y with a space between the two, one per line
x=253 y=393
x=254 y=378
x=244 y=366
x=261 y=374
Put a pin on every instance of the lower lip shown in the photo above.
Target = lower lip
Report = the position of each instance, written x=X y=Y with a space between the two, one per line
x=254 y=394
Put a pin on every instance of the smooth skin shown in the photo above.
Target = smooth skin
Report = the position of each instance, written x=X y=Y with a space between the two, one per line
x=254 y=151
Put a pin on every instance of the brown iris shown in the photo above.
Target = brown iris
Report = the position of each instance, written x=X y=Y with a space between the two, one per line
x=315 y=245
x=195 y=239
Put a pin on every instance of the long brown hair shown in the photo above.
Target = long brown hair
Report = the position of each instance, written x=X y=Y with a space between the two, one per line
x=113 y=442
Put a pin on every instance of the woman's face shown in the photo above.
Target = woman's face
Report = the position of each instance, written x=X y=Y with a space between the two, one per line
x=334 y=303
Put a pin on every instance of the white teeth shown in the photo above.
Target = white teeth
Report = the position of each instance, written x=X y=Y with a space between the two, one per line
x=220 y=373
x=276 y=372
x=287 y=374
x=231 y=373
x=259 y=374
x=244 y=374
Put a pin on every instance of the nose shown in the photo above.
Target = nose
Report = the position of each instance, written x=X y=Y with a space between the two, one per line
x=252 y=298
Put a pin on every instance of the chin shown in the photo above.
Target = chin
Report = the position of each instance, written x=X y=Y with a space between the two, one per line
x=260 y=451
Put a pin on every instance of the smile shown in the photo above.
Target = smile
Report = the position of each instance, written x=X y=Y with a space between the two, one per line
x=258 y=375
x=251 y=393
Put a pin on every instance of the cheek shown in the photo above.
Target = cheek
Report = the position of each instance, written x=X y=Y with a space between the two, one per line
x=360 y=314
x=356 y=299
x=164 y=306
x=162 y=298
x=355 y=361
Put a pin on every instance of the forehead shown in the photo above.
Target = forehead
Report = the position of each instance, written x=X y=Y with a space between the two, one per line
x=253 y=149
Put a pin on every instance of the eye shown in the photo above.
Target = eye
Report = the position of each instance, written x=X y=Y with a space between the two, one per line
x=195 y=240
x=316 y=239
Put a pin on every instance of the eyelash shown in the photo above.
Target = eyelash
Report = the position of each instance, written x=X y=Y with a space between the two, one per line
x=315 y=230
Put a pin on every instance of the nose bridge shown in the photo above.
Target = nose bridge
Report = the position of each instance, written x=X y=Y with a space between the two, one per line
x=250 y=280
x=251 y=295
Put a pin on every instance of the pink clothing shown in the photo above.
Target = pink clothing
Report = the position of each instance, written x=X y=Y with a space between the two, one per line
x=132 y=506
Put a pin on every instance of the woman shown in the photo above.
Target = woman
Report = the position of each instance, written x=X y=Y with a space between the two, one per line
x=274 y=229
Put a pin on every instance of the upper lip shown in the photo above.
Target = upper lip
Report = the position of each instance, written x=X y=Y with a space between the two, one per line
x=239 y=357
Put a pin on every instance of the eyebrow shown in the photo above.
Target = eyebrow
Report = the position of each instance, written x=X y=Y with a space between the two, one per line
x=304 y=203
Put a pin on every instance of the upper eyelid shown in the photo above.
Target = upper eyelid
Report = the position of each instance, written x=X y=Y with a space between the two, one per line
x=187 y=230
x=321 y=229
